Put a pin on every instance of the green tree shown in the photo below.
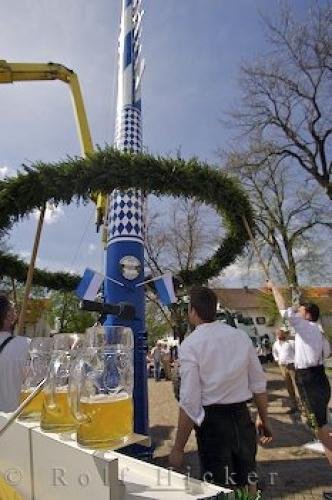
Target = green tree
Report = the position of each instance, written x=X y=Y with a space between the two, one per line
x=157 y=323
x=178 y=239
x=65 y=314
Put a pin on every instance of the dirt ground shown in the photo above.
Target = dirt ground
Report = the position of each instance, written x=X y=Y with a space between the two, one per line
x=286 y=469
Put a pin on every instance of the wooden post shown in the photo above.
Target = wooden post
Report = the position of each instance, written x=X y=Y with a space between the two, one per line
x=295 y=292
x=14 y=292
x=265 y=269
x=30 y=272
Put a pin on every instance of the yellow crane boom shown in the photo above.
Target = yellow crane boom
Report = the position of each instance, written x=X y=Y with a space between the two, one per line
x=14 y=72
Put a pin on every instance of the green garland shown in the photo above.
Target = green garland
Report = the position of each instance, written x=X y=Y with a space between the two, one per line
x=12 y=266
x=104 y=170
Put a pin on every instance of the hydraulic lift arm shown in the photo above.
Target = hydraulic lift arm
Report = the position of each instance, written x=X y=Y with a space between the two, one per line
x=14 y=72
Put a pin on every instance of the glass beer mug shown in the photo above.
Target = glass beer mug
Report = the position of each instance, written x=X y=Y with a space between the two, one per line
x=35 y=371
x=56 y=415
x=101 y=386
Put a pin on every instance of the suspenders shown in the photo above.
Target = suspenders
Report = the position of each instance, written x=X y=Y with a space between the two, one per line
x=5 y=342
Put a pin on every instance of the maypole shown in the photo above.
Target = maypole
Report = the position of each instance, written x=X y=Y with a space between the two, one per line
x=125 y=242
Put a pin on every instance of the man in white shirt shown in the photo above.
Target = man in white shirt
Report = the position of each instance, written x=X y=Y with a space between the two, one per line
x=13 y=357
x=220 y=372
x=156 y=356
x=166 y=361
x=283 y=352
x=311 y=348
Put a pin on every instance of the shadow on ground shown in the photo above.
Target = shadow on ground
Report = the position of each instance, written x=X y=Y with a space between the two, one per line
x=288 y=434
x=280 y=478
x=160 y=434
x=275 y=385
x=190 y=468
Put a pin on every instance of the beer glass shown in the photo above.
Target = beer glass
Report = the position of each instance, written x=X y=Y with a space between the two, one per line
x=101 y=386
x=35 y=371
x=56 y=415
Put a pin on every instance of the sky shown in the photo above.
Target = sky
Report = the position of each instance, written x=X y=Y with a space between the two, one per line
x=193 y=50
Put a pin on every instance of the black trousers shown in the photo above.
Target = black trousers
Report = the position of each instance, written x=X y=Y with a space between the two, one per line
x=315 y=391
x=227 y=445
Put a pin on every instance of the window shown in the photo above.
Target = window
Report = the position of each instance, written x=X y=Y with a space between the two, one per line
x=239 y=318
x=260 y=320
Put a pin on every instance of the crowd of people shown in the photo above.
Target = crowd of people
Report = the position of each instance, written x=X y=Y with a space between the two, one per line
x=161 y=360
x=220 y=372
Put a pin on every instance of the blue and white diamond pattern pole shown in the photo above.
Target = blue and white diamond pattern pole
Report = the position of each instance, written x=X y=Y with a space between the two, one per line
x=125 y=250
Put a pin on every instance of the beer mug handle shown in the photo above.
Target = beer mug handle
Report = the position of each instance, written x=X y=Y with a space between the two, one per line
x=74 y=391
x=56 y=366
x=50 y=388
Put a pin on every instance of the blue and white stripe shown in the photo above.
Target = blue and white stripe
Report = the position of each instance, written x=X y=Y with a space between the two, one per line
x=165 y=289
x=126 y=210
x=89 y=285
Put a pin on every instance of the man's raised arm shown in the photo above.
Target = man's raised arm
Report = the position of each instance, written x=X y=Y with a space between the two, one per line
x=279 y=299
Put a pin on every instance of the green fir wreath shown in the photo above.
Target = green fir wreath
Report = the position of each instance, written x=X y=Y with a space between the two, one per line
x=76 y=179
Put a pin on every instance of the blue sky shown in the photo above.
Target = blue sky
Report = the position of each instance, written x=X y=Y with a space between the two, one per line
x=193 y=50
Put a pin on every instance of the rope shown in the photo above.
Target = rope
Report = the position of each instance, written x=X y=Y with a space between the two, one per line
x=88 y=223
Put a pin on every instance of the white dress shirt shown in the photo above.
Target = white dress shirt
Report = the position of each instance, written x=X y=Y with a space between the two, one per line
x=218 y=365
x=12 y=362
x=284 y=351
x=311 y=346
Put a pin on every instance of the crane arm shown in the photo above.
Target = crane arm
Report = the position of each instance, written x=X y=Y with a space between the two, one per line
x=14 y=72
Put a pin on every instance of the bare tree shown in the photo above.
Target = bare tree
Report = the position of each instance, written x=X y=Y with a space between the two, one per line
x=177 y=239
x=286 y=94
x=292 y=221
x=181 y=237
x=155 y=244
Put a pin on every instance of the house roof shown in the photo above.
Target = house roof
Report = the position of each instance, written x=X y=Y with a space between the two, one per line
x=240 y=298
x=319 y=292
x=320 y=296
x=253 y=298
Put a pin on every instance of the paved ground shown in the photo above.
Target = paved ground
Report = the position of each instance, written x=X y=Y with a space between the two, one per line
x=286 y=469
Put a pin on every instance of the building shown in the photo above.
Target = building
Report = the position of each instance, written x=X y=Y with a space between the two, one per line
x=257 y=308
x=36 y=324
x=322 y=296
x=254 y=309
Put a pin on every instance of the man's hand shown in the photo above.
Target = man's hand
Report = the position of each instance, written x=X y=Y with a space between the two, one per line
x=176 y=457
x=185 y=426
x=263 y=431
x=278 y=297
x=269 y=285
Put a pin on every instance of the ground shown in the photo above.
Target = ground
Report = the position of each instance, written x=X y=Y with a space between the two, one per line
x=286 y=469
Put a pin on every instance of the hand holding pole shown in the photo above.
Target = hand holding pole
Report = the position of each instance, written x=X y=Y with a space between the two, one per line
x=252 y=239
x=25 y=403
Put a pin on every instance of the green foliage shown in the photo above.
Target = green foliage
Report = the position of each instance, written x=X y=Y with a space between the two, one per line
x=11 y=265
x=179 y=315
x=77 y=178
x=244 y=495
x=268 y=303
x=64 y=306
x=328 y=332
x=156 y=324
x=240 y=494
